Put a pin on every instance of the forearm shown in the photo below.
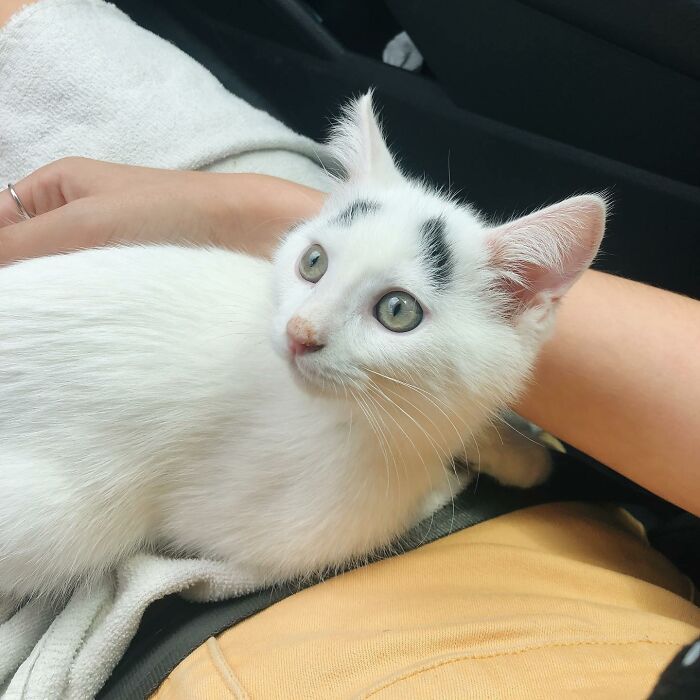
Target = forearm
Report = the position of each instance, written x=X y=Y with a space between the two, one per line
x=82 y=203
x=620 y=380
x=259 y=209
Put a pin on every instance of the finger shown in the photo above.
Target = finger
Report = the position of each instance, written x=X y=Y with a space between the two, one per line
x=10 y=211
x=73 y=226
x=145 y=216
x=69 y=179
x=63 y=181
x=47 y=188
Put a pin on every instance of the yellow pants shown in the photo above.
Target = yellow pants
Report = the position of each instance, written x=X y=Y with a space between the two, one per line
x=564 y=600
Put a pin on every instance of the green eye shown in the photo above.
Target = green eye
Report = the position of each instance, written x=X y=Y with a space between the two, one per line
x=399 y=312
x=313 y=264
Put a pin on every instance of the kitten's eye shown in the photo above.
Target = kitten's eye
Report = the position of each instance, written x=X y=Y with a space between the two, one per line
x=399 y=312
x=313 y=264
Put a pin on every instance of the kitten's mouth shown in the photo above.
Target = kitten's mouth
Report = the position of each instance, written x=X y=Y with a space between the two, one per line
x=300 y=366
x=314 y=377
x=317 y=374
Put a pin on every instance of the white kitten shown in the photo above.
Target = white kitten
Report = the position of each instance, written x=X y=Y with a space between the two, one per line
x=285 y=417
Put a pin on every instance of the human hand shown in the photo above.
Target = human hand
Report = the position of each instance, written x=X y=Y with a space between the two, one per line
x=81 y=203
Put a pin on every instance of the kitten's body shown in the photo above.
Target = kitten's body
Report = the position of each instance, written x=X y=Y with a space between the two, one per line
x=202 y=439
x=147 y=398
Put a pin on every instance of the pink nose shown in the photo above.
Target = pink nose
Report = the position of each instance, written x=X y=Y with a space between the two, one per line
x=297 y=348
x=301 y=337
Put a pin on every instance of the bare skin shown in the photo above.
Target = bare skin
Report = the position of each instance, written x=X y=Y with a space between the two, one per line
x=619 y=380
x=83 y=203
x=9 y=7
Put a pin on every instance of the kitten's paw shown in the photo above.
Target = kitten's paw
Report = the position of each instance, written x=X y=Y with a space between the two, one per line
x=522 y=463
x=454 y=484
x=512 y=455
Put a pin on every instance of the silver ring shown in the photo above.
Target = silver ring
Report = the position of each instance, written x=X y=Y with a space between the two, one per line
x=20 y=207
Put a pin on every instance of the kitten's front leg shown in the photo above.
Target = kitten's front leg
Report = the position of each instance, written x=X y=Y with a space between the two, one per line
x=510 y=452
x=455 y=480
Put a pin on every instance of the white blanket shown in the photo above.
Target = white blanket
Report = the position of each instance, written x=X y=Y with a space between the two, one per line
x=77 y=77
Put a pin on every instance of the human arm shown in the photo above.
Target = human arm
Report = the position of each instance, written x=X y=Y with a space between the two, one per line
x=82 y=203
x=620 y=381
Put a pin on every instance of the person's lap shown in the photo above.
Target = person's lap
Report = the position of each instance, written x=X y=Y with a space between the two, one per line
x=540 y=603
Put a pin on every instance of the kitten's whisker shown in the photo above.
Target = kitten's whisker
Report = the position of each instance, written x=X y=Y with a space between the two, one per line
x=433 y=400
x=398 y=425
x=366 y=411
x=413 y=445
x=391 y=451
x=514 y=429
x=454 y=427
x=430 y=396
x=445 y=454
x=423 y=413
x=347 y=441
x=430 y=439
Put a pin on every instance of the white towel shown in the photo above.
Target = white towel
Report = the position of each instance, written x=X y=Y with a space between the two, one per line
x=77 y=77
x=70 y=654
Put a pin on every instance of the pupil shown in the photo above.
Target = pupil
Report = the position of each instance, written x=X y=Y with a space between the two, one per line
x=313 y=258
x=395 y=306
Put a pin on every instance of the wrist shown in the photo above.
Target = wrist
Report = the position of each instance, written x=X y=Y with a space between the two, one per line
x=250 y=211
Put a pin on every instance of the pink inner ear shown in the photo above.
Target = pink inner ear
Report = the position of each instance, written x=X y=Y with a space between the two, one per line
x=531 y=280
x=541 y=255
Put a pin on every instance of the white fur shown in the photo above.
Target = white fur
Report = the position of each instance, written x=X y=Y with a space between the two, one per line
x=148 y=400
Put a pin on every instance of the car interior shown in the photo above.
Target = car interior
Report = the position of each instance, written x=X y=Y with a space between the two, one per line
x=516 y=104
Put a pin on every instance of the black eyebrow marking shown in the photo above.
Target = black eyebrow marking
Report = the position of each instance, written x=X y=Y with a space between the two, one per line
x=360 y=207
x=437 y=251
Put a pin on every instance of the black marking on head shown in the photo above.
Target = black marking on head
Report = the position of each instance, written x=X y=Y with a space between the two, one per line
x=437 y=251
x=360 y=207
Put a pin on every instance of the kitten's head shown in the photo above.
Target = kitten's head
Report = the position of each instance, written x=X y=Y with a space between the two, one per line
x=393 y=278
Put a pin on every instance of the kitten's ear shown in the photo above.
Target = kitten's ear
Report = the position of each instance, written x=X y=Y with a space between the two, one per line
x=358 y=146
x=538 y=257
